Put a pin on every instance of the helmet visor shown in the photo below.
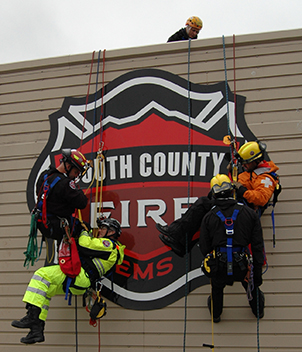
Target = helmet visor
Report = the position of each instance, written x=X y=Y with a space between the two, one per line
x=225 y=186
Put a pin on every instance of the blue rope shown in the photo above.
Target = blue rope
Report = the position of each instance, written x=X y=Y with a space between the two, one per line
x=189 y=172
x=94 y=114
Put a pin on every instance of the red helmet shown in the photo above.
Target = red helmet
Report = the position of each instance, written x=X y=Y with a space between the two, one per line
x=76 y=158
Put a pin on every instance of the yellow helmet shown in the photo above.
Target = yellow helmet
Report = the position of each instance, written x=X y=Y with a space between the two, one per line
x=194 y=22
x=220 y=184
x=251 y=151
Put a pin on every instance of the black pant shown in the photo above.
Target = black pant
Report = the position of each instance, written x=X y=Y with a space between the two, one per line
x=221 y=280
x=190 y=221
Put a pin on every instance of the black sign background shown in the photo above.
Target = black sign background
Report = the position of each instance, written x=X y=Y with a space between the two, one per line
x=145 y=129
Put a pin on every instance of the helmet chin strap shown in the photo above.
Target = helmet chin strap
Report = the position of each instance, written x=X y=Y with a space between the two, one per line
x=110 y=236
x=65 y=166
x=188 y=29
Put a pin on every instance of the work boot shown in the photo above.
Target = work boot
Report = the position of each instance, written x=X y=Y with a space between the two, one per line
x=169 y=241
x=30 y=319
x=163 y=229
x=35 y=334
x=260 y=309
x=176 y=247
x=217 y=319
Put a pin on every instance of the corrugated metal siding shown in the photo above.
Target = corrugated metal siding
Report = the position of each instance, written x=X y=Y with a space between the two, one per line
x=269 y=74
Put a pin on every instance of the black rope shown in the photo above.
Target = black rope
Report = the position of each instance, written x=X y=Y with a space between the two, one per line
x=258 y=340
x=189 y=172
x=76 y=322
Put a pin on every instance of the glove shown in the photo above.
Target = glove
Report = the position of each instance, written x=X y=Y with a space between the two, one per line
x=237 y=184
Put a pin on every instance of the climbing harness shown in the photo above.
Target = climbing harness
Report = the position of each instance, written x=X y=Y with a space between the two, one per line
x=41 y=208
x=229 y=230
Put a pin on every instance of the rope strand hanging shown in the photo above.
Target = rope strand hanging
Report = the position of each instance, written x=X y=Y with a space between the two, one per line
x=231 y=142
x=189 y=152
x=87 y=96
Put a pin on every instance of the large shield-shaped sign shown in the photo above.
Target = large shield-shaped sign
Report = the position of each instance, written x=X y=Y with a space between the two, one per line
x=163 y=142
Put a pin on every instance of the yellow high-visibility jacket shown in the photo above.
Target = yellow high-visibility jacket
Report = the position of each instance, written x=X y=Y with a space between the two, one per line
x=103 y=252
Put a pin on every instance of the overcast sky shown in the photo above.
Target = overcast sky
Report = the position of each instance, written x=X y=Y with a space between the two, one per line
x=34 y=29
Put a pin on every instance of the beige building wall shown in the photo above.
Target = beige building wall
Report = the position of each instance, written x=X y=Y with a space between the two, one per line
x=269 y=74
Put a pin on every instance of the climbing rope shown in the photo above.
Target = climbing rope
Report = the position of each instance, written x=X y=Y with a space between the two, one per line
x=31 y=253
x=232 y=143
x=87 y=96
x=99 y=165
x=212 y=318
x=76 y=322
x=99 y=195
x=235 y=91
x=258 y=339
x=226 y=86
x=189 y=158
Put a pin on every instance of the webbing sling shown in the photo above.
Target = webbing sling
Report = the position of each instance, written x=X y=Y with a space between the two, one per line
x=229 y=230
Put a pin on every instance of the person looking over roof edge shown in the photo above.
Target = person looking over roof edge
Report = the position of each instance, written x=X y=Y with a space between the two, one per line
x=191 y=31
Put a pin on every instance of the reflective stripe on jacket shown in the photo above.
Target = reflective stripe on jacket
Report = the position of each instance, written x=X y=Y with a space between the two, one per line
x=104 y=252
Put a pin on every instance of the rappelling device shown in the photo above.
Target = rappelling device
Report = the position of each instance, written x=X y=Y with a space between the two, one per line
x=95 y=304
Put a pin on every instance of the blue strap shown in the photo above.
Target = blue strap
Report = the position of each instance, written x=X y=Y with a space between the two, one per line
x=49 y=187
x=68 y=282
x=229 y=229
x=53 y=183
x=234 y=249
x=273 y=222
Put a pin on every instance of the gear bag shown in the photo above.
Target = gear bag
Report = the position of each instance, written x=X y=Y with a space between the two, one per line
x=209 y=265
x=69 y=260
x=98 y=308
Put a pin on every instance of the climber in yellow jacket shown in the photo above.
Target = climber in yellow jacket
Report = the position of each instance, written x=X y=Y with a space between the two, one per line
x=98 y=255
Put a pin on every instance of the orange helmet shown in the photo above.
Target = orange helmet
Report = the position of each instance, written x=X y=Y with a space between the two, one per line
x=194 y=22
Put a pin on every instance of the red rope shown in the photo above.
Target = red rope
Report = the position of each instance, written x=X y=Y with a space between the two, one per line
x=103 y=84
x=87 y=96
x=235 y=102
x=99 y=333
